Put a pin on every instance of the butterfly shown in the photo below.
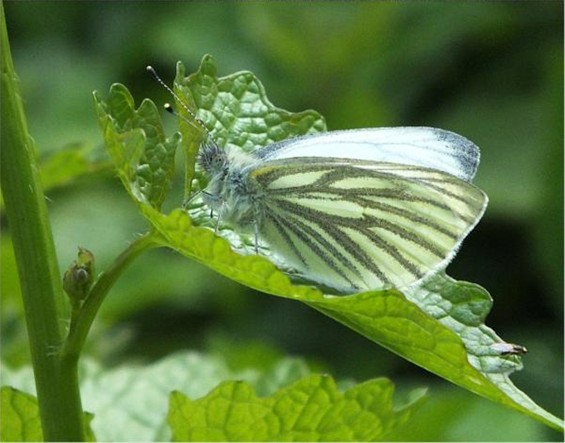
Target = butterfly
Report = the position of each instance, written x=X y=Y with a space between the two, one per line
x=353 y=210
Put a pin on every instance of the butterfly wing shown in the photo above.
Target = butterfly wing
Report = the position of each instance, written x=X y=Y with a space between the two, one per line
x=359 y=225
x=416 y=146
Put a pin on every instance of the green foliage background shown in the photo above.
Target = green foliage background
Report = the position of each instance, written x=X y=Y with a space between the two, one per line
x=490 y=71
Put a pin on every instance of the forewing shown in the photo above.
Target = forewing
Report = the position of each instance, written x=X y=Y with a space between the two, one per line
x=416 y=146
x=355 y=225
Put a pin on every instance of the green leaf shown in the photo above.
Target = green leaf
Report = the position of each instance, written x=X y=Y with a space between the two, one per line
x=70 y=163
x=463 y=308
x=387 y=318
x=312 y=409
x=441 y=343
x=438 y=327
x=236 y=110
x=130 y=405
x=137 y=144
x=131 y=400
x=20 y=417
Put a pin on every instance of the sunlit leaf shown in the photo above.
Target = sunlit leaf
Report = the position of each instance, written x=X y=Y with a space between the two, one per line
x=312 y=409
x=19 y=417
x=438 y=326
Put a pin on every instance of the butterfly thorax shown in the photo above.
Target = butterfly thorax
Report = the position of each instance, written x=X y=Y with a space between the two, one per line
x=228 y=192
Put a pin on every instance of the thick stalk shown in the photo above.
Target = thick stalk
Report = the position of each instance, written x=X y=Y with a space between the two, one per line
x=26 y=212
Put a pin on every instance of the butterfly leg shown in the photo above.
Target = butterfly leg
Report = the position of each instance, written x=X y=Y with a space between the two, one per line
x=217 y=228
x=188 y=201
x=211 y=201
x=256 y=235
x=257 y=219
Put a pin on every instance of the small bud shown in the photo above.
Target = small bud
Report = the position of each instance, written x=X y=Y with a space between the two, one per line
x=80 y=275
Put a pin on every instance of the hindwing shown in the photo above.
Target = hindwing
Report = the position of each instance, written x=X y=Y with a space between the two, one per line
x=360 y=225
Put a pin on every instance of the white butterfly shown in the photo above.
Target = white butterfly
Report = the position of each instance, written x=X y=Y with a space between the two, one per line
x=355 y=210
x=352 y=210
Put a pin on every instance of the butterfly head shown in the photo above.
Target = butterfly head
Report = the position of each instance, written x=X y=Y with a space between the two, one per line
x=212 y=159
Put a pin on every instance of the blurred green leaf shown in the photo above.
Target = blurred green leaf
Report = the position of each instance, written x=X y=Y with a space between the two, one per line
x=69 y=163
x=312 y=409
x=64 y=166
x=14 y=347
x=20 y=416
x=439 y=327
x=451 y=414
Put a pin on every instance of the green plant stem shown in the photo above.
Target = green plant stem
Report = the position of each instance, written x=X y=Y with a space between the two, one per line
x=56 y=379
x=82 y=320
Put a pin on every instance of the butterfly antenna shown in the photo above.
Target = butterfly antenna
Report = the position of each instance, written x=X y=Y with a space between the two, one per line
x=170 y=109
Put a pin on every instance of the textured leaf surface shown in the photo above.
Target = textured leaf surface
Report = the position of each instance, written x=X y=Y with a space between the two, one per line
x=20 y=415
x=312 y=409
x=131 y=401
x=236 y=110
x=439 y=327
x=388 y=318
x=137 y=144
